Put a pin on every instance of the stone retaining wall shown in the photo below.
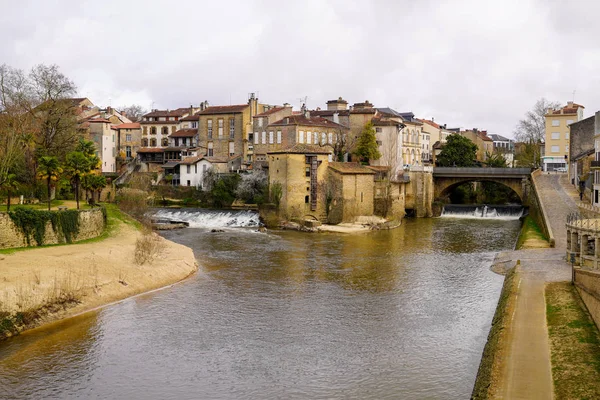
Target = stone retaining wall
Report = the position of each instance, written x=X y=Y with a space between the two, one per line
x=537 y=210
x=588 y=286
x=91 y=224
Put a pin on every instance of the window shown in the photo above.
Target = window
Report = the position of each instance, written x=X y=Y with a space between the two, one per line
x=195 y=168
x=187 y=169
x=189 y=183
x=308 y=137
x=301 y=137
x=306 y=199
x=220 y=128
x=323 y=138
x=231 y=148
x=307 y=172
x=264 y=137
x=569 y=121
x=165 y=130
x=145 y=130
x=152 y=142
x=194 y=124
x=153 y=130
x=378 y=130
x=128 y=151
x=330 y=138
x=278 y=136
x=567 y=149
x=144 y=142
x=567 y=135
x=555 y=122
x=113 y=137
x=176 y=142
x=555 y=135
x=554 y=149
x=270 y=137
x=260 y=122
x=316 y=137
x=128 y=137
x=231 y=128
x=210 y=149
x=209 y=128
x=255 y=137
x=165 y=142
x=250 y=137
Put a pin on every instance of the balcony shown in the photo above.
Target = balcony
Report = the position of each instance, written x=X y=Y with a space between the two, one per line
x=595 y=165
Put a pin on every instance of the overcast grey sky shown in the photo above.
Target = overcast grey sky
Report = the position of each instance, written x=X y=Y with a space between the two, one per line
x=468 y=63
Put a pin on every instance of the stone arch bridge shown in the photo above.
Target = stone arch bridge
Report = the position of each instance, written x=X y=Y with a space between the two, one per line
x=445 y=179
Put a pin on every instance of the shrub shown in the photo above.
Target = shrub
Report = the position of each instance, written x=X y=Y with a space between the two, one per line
x=147 y=247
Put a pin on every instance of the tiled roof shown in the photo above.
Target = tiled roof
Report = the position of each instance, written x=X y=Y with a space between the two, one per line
x=179 y=112
x=350 y=168
x=150 y=150
x=429 y=122
x=329 y=113
x=103 y=120
x=311 y=121
x=191 y=160
x=193 y=117
x=269 y=112
x=224 y=109
x=303 y=149
x=132 y=125
x=184 y=133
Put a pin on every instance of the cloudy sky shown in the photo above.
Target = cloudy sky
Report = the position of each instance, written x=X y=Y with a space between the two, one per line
x=468 y=63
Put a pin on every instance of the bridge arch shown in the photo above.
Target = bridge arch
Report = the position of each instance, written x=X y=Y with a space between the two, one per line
x=449 y=186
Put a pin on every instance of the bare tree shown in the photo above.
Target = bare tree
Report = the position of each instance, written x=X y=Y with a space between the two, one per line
x=532 y=128
x=134 y=112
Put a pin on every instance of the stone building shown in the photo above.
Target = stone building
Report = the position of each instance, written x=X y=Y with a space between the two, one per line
x=301 y=170
x=157 y=125
x=581 y=150
x=224 y=131
x=129 y=141
x=350 y=188
x=485 y=145
x=257 y=150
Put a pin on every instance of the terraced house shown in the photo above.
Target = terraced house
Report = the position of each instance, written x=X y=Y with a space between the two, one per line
x=224 y=131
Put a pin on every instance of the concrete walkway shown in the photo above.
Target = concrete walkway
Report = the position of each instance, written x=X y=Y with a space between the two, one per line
x=527 y=372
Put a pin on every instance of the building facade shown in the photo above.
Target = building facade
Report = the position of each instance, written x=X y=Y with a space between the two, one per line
x=557 y=133
x=104 y=135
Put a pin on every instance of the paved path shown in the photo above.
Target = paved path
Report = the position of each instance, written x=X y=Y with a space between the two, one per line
x=527 y=371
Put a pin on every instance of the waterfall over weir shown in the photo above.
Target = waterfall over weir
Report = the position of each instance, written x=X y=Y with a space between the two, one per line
x=201 y=218
x=510 y=212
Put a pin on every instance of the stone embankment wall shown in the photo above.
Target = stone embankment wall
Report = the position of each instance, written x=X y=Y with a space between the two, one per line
x=588 y=286
x=537 y=212
x=91 y=224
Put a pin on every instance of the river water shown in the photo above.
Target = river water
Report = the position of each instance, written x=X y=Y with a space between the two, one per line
x=286 y=315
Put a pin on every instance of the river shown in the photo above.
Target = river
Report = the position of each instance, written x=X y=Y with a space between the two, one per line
x=384 y=315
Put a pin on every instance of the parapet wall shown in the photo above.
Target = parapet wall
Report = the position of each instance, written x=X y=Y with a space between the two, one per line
x=537 y=211
x=588 y=286
x=91 y=224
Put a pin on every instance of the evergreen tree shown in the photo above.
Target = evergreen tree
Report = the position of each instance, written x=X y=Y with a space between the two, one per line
x=366 y=148
x=49 y=169
x=458 y=151
x=77 y=166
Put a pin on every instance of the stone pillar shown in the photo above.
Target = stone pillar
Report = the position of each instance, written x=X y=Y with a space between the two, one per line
x=568 y=240
x=596 y=255
x=583 y=246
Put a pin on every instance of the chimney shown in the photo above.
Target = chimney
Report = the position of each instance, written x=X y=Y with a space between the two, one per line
x=339 y=104
x=570 y=103
x=336 y=117
x=432 y=119
x=287 y=120
x=286 y=105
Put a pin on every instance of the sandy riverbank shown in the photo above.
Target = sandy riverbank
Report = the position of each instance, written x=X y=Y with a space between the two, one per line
x=98 y=273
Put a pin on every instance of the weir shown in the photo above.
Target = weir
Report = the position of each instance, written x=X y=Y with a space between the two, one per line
x=483 y=211
x=203 y=218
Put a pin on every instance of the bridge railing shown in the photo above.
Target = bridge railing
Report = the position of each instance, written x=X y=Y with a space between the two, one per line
x=481 y=171
x=580 y=221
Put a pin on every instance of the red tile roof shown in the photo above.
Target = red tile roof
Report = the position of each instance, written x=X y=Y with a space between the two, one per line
x=132 y=125
x=429 y=122
x=184 y=133
x=179 y=112
x=304 y=121
x=269 y=112
x=103 y=120
x=303 y=149
x=350 y=168
x=224 y=109
x=193 y=117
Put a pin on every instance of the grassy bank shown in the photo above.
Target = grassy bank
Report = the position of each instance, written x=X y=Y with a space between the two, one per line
x=495 y=348
x=35 y=302
x=574 y=344
x=531 y=236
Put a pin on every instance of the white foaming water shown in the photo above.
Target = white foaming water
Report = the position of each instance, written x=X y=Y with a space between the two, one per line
x=211 y=218
x=483 y=212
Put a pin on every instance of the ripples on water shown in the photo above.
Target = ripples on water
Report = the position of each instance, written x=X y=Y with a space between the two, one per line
x=390 y=314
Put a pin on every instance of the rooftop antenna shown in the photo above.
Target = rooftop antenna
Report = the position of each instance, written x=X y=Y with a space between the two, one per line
x=152 y=106
x=303 y=100
x=574 y=95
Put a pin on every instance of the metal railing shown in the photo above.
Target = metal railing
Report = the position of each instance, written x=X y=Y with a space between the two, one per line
x=579 y=221
x=595 y=164
x=481 y=171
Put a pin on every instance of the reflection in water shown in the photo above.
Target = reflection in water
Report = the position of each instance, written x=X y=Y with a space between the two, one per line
x=389 y=314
